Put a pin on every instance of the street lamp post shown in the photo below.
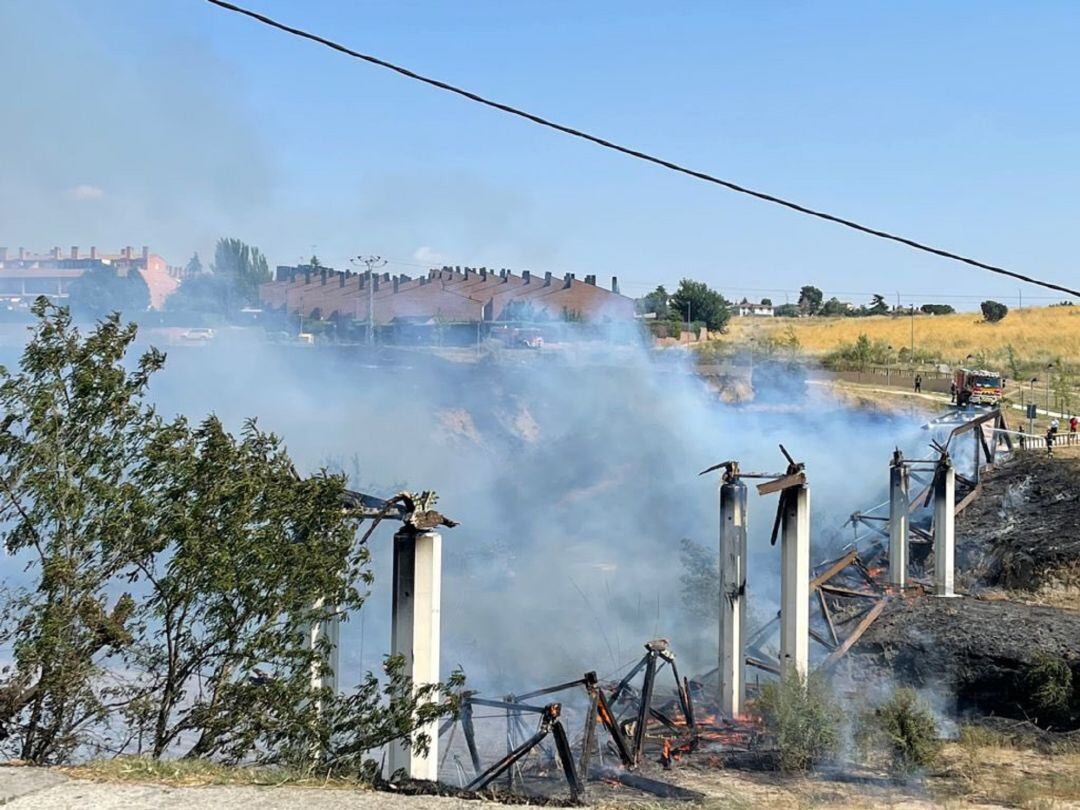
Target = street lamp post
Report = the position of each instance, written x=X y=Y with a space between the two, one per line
x=371 y=262
x=1049 y=372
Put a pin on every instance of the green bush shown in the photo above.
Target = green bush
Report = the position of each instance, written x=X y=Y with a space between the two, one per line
x=909 y=731
x=804 y=719
x=1049 y=684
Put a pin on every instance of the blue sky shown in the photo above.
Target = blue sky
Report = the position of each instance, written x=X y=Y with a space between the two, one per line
x=171 y=123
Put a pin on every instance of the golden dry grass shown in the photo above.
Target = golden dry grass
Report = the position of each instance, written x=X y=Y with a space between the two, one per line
x=1037 y=334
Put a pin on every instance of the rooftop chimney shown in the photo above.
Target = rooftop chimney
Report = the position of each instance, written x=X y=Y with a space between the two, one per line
x=22 y=253
x=386 y=277
x=93 y=252
x=375 y=283
x=483 y=273
x=145 y=253
x=74 y=251
x=590 y=280
x=525 y=277
x=547 y=279
x=341 y=280
x=56 y=253
x=467 y=271
x=128 y=252
x=568 y=281
x=396 y=283
x=615 y=284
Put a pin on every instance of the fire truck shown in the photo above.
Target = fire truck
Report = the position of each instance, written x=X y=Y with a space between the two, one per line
x=977 y=387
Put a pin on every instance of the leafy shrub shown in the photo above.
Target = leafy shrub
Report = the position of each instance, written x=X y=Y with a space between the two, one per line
x=802 y=716
x=993 y=311
x=1049 y=683
x=908 y=730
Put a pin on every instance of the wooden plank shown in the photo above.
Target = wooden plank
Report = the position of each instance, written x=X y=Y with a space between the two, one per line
x=834 y=569
x=788 y=481
x=768 y=667
x=856 y=634
x=848 y=592
x=828 y=617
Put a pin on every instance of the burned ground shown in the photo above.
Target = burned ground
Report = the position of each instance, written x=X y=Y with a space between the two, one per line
x=1023 y=532
x=1021 y=536
x=979 y=650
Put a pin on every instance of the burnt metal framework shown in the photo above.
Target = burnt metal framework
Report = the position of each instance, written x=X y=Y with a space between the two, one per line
x=627 y=735
x=848 y=591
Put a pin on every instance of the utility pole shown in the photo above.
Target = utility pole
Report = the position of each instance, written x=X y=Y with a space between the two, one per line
x=371 y=262
x=913 y=336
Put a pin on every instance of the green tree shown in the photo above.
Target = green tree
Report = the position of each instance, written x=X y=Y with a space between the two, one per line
x=178 y=571
x=786 y=311
x=937 y=309
x=102 y=290
x=834 y=307
x=810 y=299
x=766 y=302
x=75 y=428
x=205 y=293
x=993 y=311
x=240 y=555
x=878 y=306
x=695 y=301
x=243 y=269
x=194 y=266
x=656 y=302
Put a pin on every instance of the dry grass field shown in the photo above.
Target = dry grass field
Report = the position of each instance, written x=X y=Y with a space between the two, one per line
x=1036 y=334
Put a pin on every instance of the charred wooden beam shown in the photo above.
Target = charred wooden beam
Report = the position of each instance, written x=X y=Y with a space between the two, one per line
x=867 y=619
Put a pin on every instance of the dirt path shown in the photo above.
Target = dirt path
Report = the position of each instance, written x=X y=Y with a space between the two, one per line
x=44 y=789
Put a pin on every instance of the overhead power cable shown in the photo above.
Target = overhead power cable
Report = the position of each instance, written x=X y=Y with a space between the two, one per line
x=667 y=164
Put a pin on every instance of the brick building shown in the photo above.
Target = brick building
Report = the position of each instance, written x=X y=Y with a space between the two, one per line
x=25 y=275
x=448 y=295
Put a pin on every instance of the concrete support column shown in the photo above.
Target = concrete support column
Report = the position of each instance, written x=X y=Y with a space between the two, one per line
x=795 y=582
x=944 y=528
x=898 y=524
x=732 y=598
x=414 y=631
x=330 y=629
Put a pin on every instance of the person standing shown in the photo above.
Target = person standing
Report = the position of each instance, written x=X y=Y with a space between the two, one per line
x=1074 y=425
x=918 y=383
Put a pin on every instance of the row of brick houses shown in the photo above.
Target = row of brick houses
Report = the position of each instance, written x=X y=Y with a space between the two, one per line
x=447 y=295
x=25 y=275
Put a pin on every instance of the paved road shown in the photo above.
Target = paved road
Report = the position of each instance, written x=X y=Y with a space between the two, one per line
x=42 y=789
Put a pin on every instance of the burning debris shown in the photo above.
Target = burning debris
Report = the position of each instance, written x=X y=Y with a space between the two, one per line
x=639 y=734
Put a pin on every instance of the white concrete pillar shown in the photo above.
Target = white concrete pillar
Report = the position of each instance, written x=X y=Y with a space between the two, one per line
x=414 y=632
x=944 y=529
x=898 y=524
x=795 y=582
x=732 y=598
x=330 y=629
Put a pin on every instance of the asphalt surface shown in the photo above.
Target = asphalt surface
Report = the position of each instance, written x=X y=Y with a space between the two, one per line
x=40 y=788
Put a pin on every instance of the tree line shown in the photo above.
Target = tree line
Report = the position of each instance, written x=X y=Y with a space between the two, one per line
x=172 y=573
x=228 y=285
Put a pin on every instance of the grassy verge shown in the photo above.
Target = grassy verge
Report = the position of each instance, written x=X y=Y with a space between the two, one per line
x=198 y=773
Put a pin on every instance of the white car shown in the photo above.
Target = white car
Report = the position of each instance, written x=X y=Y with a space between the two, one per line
x=199 y=334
